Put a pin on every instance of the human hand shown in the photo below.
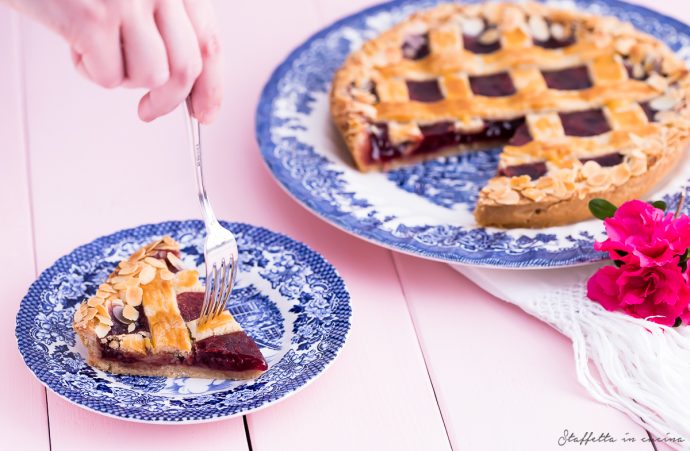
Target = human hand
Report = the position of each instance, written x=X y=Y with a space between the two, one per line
x=169 y=47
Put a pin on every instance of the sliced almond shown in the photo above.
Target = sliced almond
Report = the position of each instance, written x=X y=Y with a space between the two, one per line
x=102 y=310
x=131 y=328
x=155 y=262
x=130 y=313
x=147 y=274
x=137 y=255
x=101 y=330
x=663 y=103
x=590 y=169
x=624 y=45
x=119 y=279
x=90 y=314
x=166 y=274
x=508 y=197
x=104 y=320
x=658 y=82
x=130 y=270
x=472 y=26
x=620 y=174
x=489 y=37
x=599 y=179
x=134 y=295
x=106 y=287
x=538 y=28
x=78 y=315
x=638 y=71
x=117 y=301
x=175 y=261
x=638 y=166
x=534 y=194
x=94 y=301
x=559 y=32
x=121 y=286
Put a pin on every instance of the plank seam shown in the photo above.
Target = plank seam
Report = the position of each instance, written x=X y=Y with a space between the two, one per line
x=419 y=344
x=24 y=118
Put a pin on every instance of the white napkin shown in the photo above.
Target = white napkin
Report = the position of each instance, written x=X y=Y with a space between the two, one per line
x=636 y=366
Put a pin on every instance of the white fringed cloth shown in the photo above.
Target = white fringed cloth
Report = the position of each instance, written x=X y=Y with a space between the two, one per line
x=636 y=366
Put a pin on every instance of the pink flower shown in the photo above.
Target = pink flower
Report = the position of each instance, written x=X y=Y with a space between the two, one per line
x=643 y=235
x=657 y=293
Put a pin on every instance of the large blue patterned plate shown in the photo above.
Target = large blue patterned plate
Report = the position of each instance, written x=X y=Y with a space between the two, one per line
x=288 y=298
x=426 y=209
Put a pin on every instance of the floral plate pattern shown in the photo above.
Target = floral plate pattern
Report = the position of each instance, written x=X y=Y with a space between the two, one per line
x=287 y=297
x=425 y=209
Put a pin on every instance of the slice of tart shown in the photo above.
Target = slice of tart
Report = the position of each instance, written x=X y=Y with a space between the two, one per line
x=144 y=321
x=587 y=105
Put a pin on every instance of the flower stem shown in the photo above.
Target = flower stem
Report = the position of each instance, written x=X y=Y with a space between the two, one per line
x=681 y=201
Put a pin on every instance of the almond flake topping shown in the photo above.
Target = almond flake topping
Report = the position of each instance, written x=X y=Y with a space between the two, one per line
x=166 y=274
x=101 y=330
x=489 y=37
x=175 y=261
x=134 y=295
x=130 y=313
x=148 y=273
x=156 y=263
x=538 y=28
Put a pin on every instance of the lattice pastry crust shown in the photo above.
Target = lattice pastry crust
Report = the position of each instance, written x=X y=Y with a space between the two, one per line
x=588 y=106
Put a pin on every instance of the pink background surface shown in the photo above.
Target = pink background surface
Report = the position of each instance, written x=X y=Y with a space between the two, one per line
x=432 y=362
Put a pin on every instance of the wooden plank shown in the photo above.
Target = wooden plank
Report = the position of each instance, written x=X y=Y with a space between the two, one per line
x=23 y=415
x=96 y=169
x=503 y=379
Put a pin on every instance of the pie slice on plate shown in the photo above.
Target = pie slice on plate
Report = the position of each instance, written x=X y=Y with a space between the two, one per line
x=144 y=321
x=585 y=105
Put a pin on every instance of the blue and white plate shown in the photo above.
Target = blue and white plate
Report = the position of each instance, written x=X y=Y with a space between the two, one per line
x=288 y=298
x=426 y=209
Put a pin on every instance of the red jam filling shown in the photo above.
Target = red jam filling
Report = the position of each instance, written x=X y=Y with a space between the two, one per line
x=229 y=352
x=584 y=123
x=474 y=45
x=190 y=304
x=424 y=91
x=234 y=352
x=533 y=170
x=416 y=46
x=438 y=136
x=570 y=79
x=538 y=169
x=494 y=85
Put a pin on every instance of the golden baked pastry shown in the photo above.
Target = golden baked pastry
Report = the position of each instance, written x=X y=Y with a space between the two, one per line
x=144 y=321
x=585 y=105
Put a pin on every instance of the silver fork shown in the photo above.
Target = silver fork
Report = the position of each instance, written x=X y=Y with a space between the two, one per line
x=220 y=247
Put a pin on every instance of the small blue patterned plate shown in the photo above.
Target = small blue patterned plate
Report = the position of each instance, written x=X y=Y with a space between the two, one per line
x=426 y=209
x=288 y=298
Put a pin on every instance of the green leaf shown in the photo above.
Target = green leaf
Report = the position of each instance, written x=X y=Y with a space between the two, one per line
x=660 y=204
x=602 y=208
x=678 y=322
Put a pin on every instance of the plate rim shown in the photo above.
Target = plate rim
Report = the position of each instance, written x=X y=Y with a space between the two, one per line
x=263 y=137
x=23 y=341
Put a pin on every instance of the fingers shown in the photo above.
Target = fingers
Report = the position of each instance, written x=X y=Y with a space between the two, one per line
x=99 y=57
x=184 y=61
x=207 y=93
x=145 y=58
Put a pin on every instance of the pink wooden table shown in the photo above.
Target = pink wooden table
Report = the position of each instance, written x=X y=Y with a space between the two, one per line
x=463 y=369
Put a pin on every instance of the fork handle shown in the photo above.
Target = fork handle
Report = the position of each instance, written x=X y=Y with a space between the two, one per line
x=194 y=131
